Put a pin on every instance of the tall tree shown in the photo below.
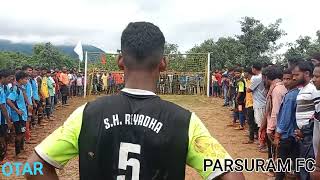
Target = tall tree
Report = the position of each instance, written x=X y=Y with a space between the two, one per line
x=256 y=43
x=13 y=59
x=259 y=39
x=49 y=56
x=303 y=47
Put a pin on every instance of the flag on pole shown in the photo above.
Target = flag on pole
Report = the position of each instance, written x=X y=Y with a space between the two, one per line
x=103 y=59
x=78 y=50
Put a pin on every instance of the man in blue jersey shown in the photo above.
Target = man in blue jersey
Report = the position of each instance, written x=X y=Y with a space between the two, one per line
x=28 y=70
x=19 y=113
x=5 y=120
x=7 y=86
x=36 y=97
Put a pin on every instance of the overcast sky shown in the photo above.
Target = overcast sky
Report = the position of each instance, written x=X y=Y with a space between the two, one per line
x=184 y=22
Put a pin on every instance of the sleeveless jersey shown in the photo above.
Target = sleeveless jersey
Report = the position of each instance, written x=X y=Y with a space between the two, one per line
x=133 y=137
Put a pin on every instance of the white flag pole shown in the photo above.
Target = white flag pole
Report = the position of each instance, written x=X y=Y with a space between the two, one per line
x=79 y=66
x=85 y=74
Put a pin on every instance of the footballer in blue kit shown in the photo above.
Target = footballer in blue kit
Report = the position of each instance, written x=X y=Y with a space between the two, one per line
x=5 y=120
x=19 y=114
x=36 y=98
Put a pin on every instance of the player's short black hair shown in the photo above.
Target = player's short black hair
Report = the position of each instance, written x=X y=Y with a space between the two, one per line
x=21 y=75
x=316 y=56
x=305 y=66
x=25 y=67
x=238 y=69
x=273 y=72
x=142 y=45
x=248 y=70
x=1 y=73
x=231 y=69
x=267 y=64
x=257 y=66
x=295 y=60
x=44 y=69
x=287 y=71
x=6 y=73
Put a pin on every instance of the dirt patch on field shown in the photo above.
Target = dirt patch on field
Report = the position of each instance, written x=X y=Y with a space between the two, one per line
x=210 y=110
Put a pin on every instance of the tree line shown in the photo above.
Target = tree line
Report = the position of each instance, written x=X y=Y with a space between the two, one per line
x=257 y=42
x=44 y=55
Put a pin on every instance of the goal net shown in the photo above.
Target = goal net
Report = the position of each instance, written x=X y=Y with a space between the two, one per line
x=186 y=73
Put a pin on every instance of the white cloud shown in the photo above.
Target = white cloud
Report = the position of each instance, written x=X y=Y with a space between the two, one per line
x=185 y=22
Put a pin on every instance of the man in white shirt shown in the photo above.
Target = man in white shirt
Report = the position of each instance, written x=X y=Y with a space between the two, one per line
x=259 y=101
x=79 y=84
x=104 y=82
x=305 y=110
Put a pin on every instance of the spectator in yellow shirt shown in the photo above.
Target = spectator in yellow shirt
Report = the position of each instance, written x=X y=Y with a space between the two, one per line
x=44 y=90
x=253 y=127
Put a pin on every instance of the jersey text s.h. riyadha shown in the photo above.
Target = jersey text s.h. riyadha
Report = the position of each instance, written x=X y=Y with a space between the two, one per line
x=134 y=119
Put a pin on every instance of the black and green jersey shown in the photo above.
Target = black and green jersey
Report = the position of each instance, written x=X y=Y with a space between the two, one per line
x=133 y=135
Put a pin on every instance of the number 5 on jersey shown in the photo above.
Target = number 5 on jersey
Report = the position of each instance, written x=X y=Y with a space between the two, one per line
x=125 y=149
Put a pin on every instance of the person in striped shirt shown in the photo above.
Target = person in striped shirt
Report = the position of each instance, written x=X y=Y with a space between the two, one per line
x=305 y=110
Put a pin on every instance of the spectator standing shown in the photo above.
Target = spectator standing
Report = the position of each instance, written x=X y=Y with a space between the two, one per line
x=225 y=87
x=215 y=86
x=105 y=82
x=36 y=97
x=64 y=82
x=29 y=100
x=259 y=101
x=305 y=111
x=284 y=139
x=253 y=128
x=51 y=87
x=219 y=79
x=56 y=89
x=95 y=83
x=275 y=95
x=79 y=84
x=316 y=130
x=110 y=84
x=239 y=99
x=19 y=112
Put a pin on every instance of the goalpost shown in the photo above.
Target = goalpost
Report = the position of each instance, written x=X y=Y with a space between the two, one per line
x=188 y=65
x=194 y=66
x=92 y=58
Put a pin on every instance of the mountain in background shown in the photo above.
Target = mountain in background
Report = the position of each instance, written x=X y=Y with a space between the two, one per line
x=26 y=48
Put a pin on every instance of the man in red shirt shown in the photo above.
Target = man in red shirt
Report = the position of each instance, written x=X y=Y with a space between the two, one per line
x=219 y=79
x=64 y=82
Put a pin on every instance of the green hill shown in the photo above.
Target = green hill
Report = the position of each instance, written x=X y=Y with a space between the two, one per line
x=26 y=48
